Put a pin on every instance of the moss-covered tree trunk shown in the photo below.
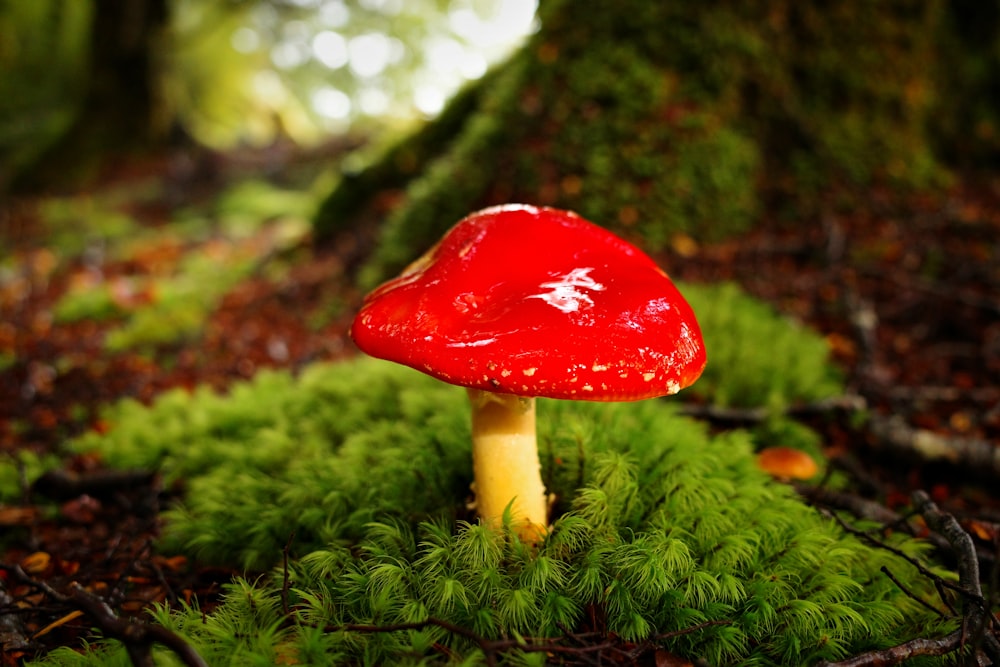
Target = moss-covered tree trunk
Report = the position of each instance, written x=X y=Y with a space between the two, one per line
x=666 y=118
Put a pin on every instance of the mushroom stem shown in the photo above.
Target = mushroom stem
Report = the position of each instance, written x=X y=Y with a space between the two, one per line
x=505 y=462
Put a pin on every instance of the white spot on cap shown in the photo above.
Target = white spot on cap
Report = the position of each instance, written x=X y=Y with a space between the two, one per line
x=529 y=371
x=587 y=387
x=648 y=377
x=597 y=368
x=473 y=343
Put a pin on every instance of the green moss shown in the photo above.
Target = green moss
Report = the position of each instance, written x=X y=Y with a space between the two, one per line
x=660 y=527
x=363 y=468
x=280 y=442
x=174 y=297
x=597 y=143
x=655 y=119
x=182 y=302
x=756 y=356
x=74 y=224
x=19 y=470
x=89 y=302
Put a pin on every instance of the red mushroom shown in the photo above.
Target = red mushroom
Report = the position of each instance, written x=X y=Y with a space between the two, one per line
x=516 y=302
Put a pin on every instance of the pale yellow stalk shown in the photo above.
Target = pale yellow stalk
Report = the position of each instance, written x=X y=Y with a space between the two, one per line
x=505 y=462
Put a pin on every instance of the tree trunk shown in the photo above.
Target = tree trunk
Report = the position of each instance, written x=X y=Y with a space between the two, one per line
x=119 y=113
x=666 y=121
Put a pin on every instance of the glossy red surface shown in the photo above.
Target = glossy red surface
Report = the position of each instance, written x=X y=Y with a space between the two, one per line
x=536 y=302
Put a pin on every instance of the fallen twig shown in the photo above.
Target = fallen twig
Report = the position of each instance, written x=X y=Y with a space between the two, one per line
x=948 y=292
x=66 y=484
x=729 y=415
x=492 y=648
x=903 y=587
x=938 y=393
x=895 y=655
x=975 y=633
x=137 y=638
x=978 y=456
x=976 y=618
x=860 y=507
x=13 y=634
x=870 y=510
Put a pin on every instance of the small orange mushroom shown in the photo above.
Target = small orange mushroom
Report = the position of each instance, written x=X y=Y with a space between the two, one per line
x=787 y=463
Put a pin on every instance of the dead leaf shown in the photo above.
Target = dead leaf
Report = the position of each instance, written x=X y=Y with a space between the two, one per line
x=987 y=532
x=36 y=563
x=60 y=622
x=18 y=516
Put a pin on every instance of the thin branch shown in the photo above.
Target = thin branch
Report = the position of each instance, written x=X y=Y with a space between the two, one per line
x=948 y=292
x=729 y=415
x=66 y=484
x=13 y=634
x=864 y=318
x=978 y=456
x=137 y=638
x=899 y=584
x=870 y=510
x=976 y=617
x=943 y=583
x=944 y=393
x=975 y=632
x=686 y=631
x=860 y=507
x=491 y=648
x=895 y=655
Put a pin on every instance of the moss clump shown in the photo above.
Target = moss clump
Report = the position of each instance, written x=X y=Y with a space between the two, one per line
x=757 y=357
x=169 y=294
x=661 y=527
x=280 y=454
x=301 y=451
x=18 y=470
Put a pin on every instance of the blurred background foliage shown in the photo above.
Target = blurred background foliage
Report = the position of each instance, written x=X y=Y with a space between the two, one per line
x=83 y=77
x=679 y=120
x=664 y=121
x=312 y=67
x=42 y=55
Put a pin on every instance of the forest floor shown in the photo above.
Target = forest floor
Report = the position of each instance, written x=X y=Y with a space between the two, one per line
x=906 y=291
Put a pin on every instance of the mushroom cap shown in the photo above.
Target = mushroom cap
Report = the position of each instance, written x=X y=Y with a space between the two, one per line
x=787 y=463
x=536 y=302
